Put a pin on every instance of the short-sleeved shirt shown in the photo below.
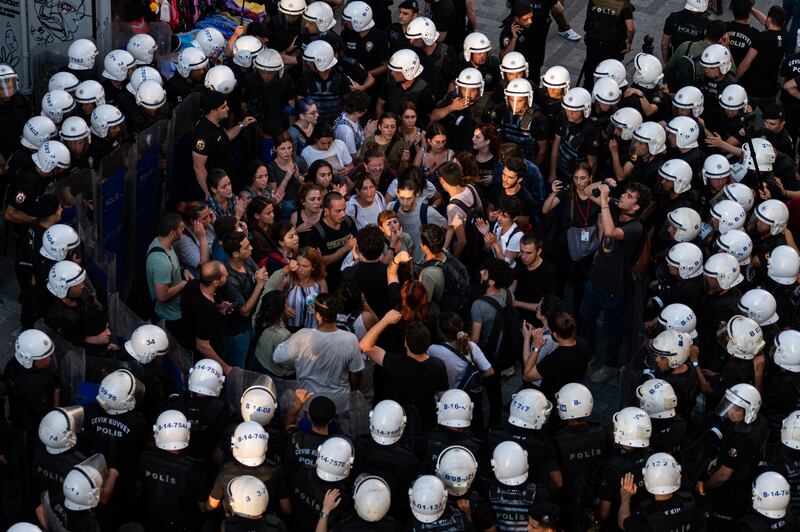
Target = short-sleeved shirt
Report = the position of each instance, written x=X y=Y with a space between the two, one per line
x=164 y=268
x=455 y=363
x=532 y=285
x=578 y=141
x=371 y=50
x=411 y=224
x=415 y=383
x=212 y=141
x=273 y=478
x=443 y=15
x=337 y=155
x=485 y=314
x=237 y=289
x=685 y=25
x=22 y=193
x=564 y=365
x=741 y=39
x=523 y=195
x=620 y=33
x=761 y=80
x=509 y=241
x=330 y=244
x=200 y=316
x=615 y=257
x=456 y=216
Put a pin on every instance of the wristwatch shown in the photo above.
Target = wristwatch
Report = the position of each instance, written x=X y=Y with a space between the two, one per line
x=695 y=364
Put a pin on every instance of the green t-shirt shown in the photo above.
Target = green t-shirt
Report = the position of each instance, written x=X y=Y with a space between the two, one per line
x=164 y=268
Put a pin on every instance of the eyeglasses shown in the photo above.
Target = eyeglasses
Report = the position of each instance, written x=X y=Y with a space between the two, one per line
x=315 y=113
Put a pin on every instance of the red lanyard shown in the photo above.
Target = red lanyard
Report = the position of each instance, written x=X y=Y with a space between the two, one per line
x=584 y=215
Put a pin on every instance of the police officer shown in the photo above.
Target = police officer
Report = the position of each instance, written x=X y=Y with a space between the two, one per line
x=648 y=153
x=676 y=184
x=36 y=131
x=681 y=225
x=521 y=121
x=429 y=509
x=511 y=494
x=89 y=94
x=681 y=278
x=259 y=403
x=81 y=57
x=189 y=75
x=248 y=498
x=285 y=27
x=671 y=349
x=170 y=484
x=688 y=24
x=118 y=66
x=405 y=83
x=74 y=508
x=457 y=468
x=645 y=93
x=716 y=63
x=555 y=84
x=70 y=300
x=683 y=135
x=322 y=80
x=576 y=138
x=771 y=217
x=658 y=399
x=781 y=380
x=318 y=23
x=371 y=498
x=303 y=449
x=453 y=418
x=461 y=111
x=267 y=93
x=783 y=266
x=478 y=54
x=107 y=132
x=582 y=448
x=76 y=136
x=151 y=106
x=363 y=41
x=785 y=459
x=58 y=452
x=771 y=496
x=15 y=109
x=437 y=59
x=525 y=31
x=722 y=274
x=386 y=454
x=609 y=32
x=59 y=242
x=407 y=11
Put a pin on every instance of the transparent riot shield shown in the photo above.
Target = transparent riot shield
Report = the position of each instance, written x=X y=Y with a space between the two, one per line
x=160 y=31
x=68 y=191
x=46 y=61
x=238 y=380
x=69 y=362
x=99 y=264
x=95 y=370
x=358 y=418
x=181 y=183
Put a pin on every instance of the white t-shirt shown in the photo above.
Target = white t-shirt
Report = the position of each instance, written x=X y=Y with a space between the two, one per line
x=365 y=216
x=455 y=364
x=509 y=241
x=346 y=134
x=426 y=195
x=455 y=214
x=337 y=155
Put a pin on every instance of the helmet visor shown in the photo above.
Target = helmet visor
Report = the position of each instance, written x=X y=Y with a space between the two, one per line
x=725 y=406
x=8 y=87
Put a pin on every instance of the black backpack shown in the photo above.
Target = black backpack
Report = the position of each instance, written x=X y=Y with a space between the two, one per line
x=684 y=72
x=471 y=380
x=473 y=252
x=455 y=295
x=139 y=299
x=505 y=341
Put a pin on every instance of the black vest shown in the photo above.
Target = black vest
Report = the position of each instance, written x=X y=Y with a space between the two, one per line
x=168 y=499
x=517 y=128
x=675 y=515
x=396 y=464
x=533 y=441
x=511 y=505
x=450 y=521
x=50 y=470
x=304 y=448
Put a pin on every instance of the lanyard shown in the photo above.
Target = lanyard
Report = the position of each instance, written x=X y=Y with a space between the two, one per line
x=584 y=214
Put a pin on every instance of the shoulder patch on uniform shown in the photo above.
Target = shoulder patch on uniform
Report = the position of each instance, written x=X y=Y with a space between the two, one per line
x=742 y=132
x=369 y=46
x=506 y=41
x=20 y=198
x=200 y=144
x=733 y=452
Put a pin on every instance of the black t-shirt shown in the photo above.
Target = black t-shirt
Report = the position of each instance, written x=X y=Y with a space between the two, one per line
x=532 y=285
x=741 y=38
x=593 y=23
x=443 y=15
x=685 y=25
x=268 y=101
x=397 y=37
x=212 y=141
x=525 y=198
x=371 y=50
x=394 y=96
x=615 y=257
x=790 y=69
x=760 y=80
x=564 y=365
x=415 y=383
x=200 y=317
x=370 y=277
x=328 y=240
x=15 y=113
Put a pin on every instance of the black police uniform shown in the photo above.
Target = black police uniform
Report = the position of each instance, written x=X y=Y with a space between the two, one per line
x=140 y=120
x=19 y=160
x=655 y=96
x=526 y=129
x=714 y=315
x=606 y=34
x=30 y=394
x=482 y=514
x=265 y=523
x=790 y=69
x=158 y=381
x=677 y=513
x=394 y=96
x=437 y=440
x=756 y=522
x=542 y=459
x=490 y=70
x=208 y=415
x=780 y=396
x=616 y=468
x=82 y=75
x=645 y=171
x=50 y=470
x=273 y=478
x=178 y=88
x=100 y=147
x=438 y=69
x=668 y=435
x=64 y=319
x=511 y=504
x=213 y=142
x=355 y=524
x=14 y=114
x=396 y=464
x=786 y=461
x=452 y=520
x=578 y=141
x=172 y=485
x=268 y=102
x=71 y=520
x=327 y=93
x=686 y=291
x=685 y=25
x=787 y=298
x=302 y=453
x=461 y=124
x=308 y=492
x=740 y=39
x=712 y=89
x=283 y=34
x=397 y=37
x=685 y=385
x=532 y=41
x=371 y=50
x=112 y=92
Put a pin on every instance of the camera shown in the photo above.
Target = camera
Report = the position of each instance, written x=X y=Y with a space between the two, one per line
x=566 y=186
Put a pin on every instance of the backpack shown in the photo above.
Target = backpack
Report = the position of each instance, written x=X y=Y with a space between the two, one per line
x=139 y=299
x=320 y=229
x=505 y=341
x=686 y=70
x=456 y=282
x=473 y=252
x=471 y=380
x=346 y=322
x=423 y=211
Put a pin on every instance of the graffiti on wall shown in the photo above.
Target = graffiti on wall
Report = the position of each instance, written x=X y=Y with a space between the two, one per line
x=55 y=21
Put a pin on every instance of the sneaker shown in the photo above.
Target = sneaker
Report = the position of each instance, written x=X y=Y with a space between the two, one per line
x=570 y=35
x=603 y=374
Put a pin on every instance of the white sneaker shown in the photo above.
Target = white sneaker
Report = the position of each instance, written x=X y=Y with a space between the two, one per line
x=570 y=35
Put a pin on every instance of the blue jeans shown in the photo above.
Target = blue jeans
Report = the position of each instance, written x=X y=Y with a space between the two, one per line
x=612 y=306
x=236 y=348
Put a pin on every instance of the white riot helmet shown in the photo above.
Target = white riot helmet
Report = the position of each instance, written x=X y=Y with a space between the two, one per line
x=686 y=131
x=321 y=14
x=725 y=269
x=142 y=74
x=191 y=59
x=117 y=64
x=578 y=99
x=574 y=401
x=371 y=498
x=36 y=131
x=510 y=463
x=681 y=318
x=24 y=527
x=119 y=392
x=662 y=474
x=649 y=71
x=471 y=78
x=292 y=7
x=611 y=68
x=57 y=103
x=210 y=41
x=687 y=258
x=387 y=422
x=760 y=306
x=359 y=15
x=652 y=134
x=81 y=54
x=51 y=156
x=673 y=345
x=657 y=398
x=407 y=62
x=64 y=275
x=147 y=342
x=221 y=79
x=557 y=77
x=744 y=338
x=737 y=243
x=73 y=129
x=741 y=194
x=686 y=222
x=632 y=427
x=172 y=431
x=606 y=91
x=248 y=496
x=206 y=378
x=476 y=43
x=456 y=467
x=83 y=483
x=529 y=409
x=57 y=241
x=716 y=166
x=245 y=50
x=143 y=48
x=790 y=430
x=424 y=29
x=454 y=409
x=335 y=459
x=783 y=265
x=679 y=172
x=771 y=495
x=320 y=53
x=514 y=62
x=519 y=88
x=733 y=98
x=716 y=56
x=744 y=396
x=627 y=120
x=90 y=91
x=151 y=95
x=9 y=81
x=775 y=214
x=787 y=351
x=269 y=60
x=689 y=97
x=698 y=6
x=765 y=155
x=58 y=429
x=65 y=81
x=249 y=443
x=32 y=345
x=729 y=214
x=428 y=498
x=259 y=402
x=104 y=117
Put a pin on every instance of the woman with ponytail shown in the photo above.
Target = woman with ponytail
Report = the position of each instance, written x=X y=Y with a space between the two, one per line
x=457 y=351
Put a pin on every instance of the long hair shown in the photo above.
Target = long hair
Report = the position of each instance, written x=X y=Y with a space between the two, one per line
x=271 y=311
x=414 y=301
x=317 y=264
x=451 y=329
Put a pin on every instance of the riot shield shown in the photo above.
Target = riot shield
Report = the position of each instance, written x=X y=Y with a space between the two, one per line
x=238 y=380
x=99 y=264
x=181 y=182
x=69 y=360
x=68 y=191
x=121 y=32
x=46 y=61
x=356 y=422
x=16 y=480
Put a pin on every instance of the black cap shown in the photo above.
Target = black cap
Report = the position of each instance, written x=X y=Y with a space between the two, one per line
x=413 y=5
x=545 y=513
x=774 y=112
x=211 y=100
x=521 y=8
x=46 y=205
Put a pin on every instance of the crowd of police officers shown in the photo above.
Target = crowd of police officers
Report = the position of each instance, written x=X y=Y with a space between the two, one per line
x=711 y=437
